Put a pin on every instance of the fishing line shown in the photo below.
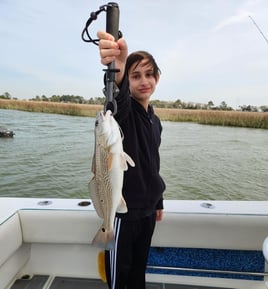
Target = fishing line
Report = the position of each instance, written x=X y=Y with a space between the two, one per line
x=258 y=29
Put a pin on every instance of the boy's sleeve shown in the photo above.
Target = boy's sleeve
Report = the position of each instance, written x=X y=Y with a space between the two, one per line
x=123 y=100
x=160 y=205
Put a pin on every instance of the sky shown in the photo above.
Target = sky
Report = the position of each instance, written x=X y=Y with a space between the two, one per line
x=207 y=50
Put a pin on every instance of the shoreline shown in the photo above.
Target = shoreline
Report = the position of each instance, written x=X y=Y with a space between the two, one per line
x=208 y=117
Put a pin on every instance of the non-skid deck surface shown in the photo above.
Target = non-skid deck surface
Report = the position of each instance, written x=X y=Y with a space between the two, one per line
x=39 y=281
x=77 y=283
x=36 y=282
x=175 y=286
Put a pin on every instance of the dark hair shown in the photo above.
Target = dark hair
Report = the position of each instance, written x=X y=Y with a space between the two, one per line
x=137 y=57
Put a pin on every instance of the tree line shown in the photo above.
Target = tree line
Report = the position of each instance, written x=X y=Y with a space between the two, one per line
x=178 y=104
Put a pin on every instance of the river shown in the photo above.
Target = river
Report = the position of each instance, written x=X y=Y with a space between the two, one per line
x=50 y=156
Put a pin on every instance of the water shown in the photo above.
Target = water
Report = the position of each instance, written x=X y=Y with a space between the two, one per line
x=50 y=156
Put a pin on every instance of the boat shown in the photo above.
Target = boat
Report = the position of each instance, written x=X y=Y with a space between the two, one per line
x=46 y=243
x=4 y=132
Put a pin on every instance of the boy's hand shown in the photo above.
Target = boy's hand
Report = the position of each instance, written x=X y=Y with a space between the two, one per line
x=159 y=215
x=113 y=51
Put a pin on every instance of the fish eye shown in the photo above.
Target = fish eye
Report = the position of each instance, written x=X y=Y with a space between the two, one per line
x=96 y=123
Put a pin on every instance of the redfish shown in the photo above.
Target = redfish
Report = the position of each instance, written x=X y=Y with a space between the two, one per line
x=108 y=166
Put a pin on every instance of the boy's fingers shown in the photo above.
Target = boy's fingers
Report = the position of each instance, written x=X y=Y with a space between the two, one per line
x=104 y=35
x=122 y=43
x=107 y=44
x=109 y=53
x=107 y=60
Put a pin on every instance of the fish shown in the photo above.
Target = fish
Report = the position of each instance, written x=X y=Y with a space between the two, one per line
x=108 y=165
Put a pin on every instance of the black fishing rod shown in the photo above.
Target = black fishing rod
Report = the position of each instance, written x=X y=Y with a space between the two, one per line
x=112 y=26
x=259 y=29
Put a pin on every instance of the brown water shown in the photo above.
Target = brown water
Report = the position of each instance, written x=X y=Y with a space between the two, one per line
x=50 y=156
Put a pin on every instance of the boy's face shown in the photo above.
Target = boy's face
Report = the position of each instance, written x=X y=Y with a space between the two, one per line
x=142 y=82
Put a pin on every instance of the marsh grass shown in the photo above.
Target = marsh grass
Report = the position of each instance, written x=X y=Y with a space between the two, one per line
x=52 y=107
x=216 y=117
x=209 y=117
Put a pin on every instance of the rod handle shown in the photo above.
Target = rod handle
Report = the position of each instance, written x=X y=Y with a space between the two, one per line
x=112 y=19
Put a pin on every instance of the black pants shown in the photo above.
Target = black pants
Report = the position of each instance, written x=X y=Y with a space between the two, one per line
x=126 y=263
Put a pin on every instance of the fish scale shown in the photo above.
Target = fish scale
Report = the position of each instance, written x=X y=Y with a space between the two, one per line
x=108 y=166
x=104 y=185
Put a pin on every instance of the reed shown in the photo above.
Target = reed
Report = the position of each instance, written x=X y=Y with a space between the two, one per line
x=216 y=117
x=52 y=107
x=210 y=117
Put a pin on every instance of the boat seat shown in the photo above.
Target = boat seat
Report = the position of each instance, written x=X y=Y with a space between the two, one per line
x=10 y=237
x=80 y=227
x=224 y=231
x=59 y=226
x=13 y=252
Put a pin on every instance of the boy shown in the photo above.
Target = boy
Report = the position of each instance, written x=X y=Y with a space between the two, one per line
x=143 y=187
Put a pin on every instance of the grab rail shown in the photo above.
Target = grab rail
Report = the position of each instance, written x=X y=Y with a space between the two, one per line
x=262 y=274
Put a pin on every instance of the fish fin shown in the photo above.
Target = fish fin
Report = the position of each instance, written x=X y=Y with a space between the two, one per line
x=95 y=199
x=122 y=207
x=104 y=239
x=112 y=139
x=110 y=162
x=123 y=163
x=93 y=165
x=125 y=158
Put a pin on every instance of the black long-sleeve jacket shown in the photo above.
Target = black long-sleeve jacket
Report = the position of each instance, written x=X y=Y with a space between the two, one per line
x=143 y=186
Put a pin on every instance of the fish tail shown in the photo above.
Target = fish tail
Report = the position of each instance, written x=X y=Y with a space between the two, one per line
x=104 y=239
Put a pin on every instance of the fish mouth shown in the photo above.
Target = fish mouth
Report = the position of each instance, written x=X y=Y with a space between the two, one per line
x=102 y=116
x=108 y=113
